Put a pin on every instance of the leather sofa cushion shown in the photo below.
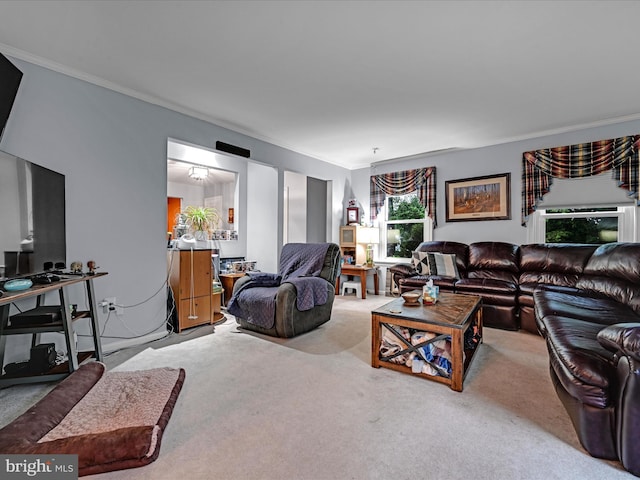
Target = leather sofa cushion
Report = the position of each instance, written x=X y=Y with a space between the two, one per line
x=551 y=264
x=486 y=286
x=618 y=290
x=530 y=280
x=502 y=275
x=493 y=292
x=614 y=270
x=418 y=281
x=586 y=306
x=494 y=261
x=584 y=367
x=564 y=259
x=617 y=260
x=494 y=256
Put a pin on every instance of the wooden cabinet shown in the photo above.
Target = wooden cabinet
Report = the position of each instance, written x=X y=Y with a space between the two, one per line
x=349 y=245
x=191 y=282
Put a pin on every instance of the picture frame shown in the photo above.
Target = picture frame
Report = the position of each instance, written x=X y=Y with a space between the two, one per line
x=353 y=215
x=479 y=198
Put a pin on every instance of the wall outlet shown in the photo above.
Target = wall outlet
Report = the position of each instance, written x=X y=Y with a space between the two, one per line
x=109 y=305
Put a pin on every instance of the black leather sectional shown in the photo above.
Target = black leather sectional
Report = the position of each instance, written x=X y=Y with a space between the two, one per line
x=585 y=301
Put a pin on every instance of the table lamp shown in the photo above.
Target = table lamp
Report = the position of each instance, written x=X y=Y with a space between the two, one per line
x=370 y=236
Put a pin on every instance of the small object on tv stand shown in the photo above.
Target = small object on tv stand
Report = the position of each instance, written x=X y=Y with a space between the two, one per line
x=42 y=279
x=18 y=284
x=91 y=265
x=76 y=267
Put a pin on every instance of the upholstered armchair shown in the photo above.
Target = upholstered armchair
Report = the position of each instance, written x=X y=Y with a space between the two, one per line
x=297 y=299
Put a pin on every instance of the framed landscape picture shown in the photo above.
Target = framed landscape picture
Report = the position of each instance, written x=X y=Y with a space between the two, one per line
x=479 y=198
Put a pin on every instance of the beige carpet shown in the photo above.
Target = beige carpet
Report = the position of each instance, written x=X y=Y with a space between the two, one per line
x=313 y=408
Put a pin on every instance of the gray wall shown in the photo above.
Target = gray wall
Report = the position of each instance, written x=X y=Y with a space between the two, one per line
x=113 y=150
x=316 y=210
x=487 y=161
x=262 y=217
x=295 y=208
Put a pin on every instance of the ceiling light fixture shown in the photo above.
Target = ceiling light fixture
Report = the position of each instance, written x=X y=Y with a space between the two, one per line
x=198 y=173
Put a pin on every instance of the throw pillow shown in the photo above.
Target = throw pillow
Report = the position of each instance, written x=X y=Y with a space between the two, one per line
x=446 y=265
x=423 y=262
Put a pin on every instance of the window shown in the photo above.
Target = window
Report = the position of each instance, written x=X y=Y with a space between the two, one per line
x=593 y=225
x=405 y=225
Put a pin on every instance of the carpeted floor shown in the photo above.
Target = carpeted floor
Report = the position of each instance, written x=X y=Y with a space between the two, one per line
x=312 y=407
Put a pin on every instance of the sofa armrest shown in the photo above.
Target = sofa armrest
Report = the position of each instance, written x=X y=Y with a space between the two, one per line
x=622 y=337
x=402 y=270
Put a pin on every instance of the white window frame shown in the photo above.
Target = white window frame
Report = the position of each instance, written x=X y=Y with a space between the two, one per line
x=427 y=231
x=626 y=214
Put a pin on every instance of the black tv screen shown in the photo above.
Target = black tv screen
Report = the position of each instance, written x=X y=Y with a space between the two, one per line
x=10 y=78
x=32 y=215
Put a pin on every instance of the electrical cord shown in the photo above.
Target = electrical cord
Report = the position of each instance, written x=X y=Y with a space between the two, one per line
x=167 y=320
x=166 y=282
x=192 y=290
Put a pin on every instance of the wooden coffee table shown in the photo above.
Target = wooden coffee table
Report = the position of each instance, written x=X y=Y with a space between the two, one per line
x=453 y=316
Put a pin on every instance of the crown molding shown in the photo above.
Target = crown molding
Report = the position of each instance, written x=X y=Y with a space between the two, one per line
x=101 y=82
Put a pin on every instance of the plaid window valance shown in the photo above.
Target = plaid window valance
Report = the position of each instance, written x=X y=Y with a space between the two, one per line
x=539 y=167
x=422 y=180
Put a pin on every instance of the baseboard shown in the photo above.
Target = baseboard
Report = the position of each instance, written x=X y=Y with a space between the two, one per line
x=133 y=342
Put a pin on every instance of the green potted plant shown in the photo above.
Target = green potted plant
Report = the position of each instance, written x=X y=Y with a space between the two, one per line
x=201 y=221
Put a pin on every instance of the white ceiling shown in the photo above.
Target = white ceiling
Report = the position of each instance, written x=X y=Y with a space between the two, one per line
x=335 y=79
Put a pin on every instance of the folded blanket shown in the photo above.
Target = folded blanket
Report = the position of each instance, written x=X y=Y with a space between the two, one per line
x=302 y=259
x=255 y=305
x=310 y=291
x=261 y=279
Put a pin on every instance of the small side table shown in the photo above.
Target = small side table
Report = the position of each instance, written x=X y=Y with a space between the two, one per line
x=228 y=280
x=359 y=271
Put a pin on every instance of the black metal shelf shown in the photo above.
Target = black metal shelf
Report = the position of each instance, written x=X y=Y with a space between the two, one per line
x=63 y=325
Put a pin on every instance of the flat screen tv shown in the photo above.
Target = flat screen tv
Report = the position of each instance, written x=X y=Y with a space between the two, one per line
x=32 y=218
x=10 y=78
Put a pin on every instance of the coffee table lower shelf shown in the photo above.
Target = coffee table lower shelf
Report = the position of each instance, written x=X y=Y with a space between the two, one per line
x=468 y=320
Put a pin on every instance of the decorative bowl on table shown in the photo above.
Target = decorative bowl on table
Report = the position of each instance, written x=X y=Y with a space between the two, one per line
x=411 y=298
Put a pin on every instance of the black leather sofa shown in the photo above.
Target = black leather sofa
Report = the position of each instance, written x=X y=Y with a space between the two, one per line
x=585 y=301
